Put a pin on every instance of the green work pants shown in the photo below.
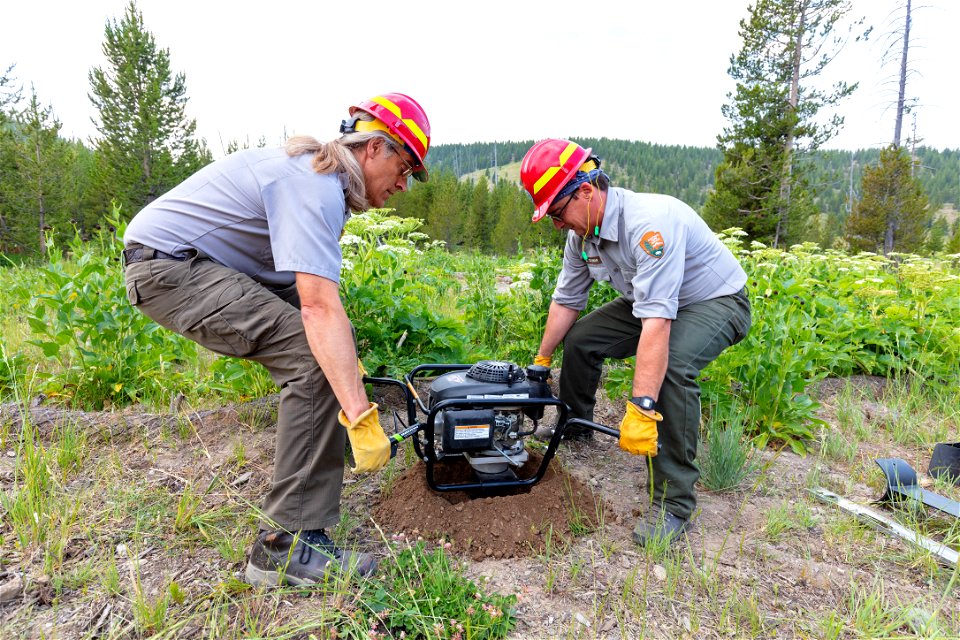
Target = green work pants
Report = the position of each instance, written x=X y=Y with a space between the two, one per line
x=699 y=334
x=233 y=315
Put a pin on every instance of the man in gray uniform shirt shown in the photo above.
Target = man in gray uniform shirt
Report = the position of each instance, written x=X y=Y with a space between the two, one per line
x=244 y=258
x=683 y=302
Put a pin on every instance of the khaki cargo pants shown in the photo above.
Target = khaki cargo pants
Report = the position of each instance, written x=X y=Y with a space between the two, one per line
x=698 y=335
x=231 y=314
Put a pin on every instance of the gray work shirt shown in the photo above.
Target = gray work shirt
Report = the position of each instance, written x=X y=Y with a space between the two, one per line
x=258 y=211
x=655 y=250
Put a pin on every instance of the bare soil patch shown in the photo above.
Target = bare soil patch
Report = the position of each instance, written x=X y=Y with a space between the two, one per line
x=512 y=523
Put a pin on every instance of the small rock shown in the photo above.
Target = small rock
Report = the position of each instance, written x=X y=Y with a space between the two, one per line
x=608 y=625
x=11 y=589
x=11 y=453
x=582 y=620
x=659 y=572
x=243 y=478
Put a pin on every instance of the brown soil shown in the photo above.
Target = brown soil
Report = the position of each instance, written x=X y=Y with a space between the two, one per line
x=513 y=523
x=594 y=584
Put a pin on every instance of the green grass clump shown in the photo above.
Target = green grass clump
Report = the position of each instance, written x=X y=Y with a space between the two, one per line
x=421 y=593
x=727 y=458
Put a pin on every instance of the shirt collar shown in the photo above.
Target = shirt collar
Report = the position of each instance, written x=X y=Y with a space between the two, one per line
x=612 y=211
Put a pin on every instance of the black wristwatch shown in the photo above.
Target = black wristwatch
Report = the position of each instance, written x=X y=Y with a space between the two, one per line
x=644 y=402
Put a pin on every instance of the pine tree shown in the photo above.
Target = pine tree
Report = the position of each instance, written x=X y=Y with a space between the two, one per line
x=147 y=142
x=9 y=98
x=478 y=222
x=773 y=115
x=892 y=200
x=39 y=195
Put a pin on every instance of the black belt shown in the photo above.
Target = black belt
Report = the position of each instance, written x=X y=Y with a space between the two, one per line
x=140 y=253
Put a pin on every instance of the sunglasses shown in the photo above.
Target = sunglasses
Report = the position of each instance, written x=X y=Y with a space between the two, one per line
x=409 y=169
x=558 y=215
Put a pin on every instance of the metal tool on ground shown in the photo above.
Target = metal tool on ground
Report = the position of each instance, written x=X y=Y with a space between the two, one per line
x=945 y=462
x=480 y=413
x=902 y=484
x=888 y=525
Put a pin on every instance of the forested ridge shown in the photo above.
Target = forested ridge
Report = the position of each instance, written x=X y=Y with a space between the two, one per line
x=475 y=187
x=687 y=172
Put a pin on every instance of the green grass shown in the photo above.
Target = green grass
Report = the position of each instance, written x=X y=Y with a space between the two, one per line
x=163 y=548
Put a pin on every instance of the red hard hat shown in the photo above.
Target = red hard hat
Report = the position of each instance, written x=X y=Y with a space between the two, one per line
x=547 y=167
x=406 y=120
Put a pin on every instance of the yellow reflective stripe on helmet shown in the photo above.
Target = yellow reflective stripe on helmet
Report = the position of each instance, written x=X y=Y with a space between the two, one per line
x=588 y=166
x=415 y=129
x=552 y=171
x=391 y=106
x=376 y=125
x=545 y=178
x=565 y=155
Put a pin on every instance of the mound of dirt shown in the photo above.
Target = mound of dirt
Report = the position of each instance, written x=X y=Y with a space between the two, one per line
x=514 y=523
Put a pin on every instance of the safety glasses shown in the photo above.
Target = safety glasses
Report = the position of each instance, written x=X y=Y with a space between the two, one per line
x=558 y=215
x=408 y=169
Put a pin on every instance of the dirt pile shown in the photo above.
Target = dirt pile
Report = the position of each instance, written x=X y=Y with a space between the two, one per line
x=515 y=523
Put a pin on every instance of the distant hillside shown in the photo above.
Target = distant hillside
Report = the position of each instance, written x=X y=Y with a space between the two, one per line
x=687 y=172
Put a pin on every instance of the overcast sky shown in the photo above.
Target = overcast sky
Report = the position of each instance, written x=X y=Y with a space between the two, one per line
x=645 y=70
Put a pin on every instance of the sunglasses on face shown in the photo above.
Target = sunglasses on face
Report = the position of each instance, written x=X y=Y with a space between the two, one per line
x=408 y=169
x=558 y=215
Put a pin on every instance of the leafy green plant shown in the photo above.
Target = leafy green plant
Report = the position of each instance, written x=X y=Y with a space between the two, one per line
x=396 y=326
x=422 y=594
x=107 y=351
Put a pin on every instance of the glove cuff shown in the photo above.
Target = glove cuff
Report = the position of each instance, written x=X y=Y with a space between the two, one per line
x=342 y=417
x=649 y=415
x=542 y=361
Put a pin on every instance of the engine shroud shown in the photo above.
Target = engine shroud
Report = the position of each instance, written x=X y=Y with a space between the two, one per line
x=491 y=379
x=491 y=436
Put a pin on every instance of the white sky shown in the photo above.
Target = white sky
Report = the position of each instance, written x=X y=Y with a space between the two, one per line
x=650 y=70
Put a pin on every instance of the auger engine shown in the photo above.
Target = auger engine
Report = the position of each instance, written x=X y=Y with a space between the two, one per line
x=490 y=437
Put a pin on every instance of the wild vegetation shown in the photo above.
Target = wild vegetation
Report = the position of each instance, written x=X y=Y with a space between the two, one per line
x=107 y=480
x=70 y=339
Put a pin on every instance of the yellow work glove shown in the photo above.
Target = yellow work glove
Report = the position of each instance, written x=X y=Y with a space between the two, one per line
x=360 y=367
x=543 y=361
x=371 y=449
x=638 y=431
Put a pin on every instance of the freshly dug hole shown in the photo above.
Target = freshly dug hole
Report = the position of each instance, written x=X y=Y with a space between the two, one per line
x=513 y=524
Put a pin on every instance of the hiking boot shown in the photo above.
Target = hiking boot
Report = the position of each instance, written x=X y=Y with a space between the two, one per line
x=279 y=557
x=660 y=525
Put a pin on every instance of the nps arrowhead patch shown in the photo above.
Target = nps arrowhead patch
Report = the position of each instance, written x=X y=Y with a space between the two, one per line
x=652 y=244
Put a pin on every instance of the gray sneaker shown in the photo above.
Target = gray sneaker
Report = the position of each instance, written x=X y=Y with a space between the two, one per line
x=279 y=557
x=660 y=525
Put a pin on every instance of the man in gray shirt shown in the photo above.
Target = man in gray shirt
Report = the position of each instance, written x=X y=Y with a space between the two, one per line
x=683 y=302
x=244 y=258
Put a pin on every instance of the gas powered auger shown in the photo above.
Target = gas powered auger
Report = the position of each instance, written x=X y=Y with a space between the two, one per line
x=477 y=413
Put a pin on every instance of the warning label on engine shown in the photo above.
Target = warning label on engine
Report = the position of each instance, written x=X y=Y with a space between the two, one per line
x=471 y=431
